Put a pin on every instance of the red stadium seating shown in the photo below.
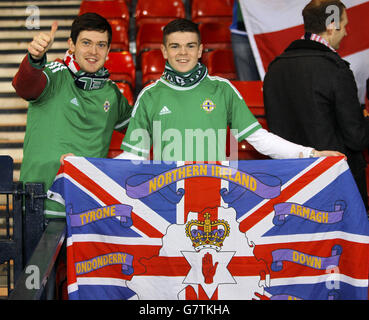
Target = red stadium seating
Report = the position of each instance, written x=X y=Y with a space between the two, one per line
x=252 y=92
x=126 y=90
x=163 y=11
x=220 y=63
x=211 y=11
x=121 y=67
x=109 y=9
x=126 y=2
x=152 y=65
x=120 y=40
x=149 y=37
x=215 y=35
x=263 y=121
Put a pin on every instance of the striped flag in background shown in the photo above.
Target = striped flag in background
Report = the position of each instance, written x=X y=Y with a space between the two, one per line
x=263 y=229
x=273 y=25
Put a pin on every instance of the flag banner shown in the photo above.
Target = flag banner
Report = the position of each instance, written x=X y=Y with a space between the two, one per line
x=242 y=230
x=273 y=25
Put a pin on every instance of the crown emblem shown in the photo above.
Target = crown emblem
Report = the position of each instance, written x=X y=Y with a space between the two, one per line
x=207 y=233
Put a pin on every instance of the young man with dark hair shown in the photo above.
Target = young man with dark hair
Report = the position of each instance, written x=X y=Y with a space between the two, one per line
x=186 y=112
x=73 y=106
x=310 y=93
x=90 y=22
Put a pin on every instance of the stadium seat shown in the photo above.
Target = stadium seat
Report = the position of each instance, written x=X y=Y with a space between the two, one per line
x=263 y=121
x=149 y=37
x=163 y=11
x=120 y=39
x=110 y=9
x=220 y=63
x=115 y=143
x=252 y=92
x=126 y=90
x=215 y=35
x=127 y=2
x=121 y=67
x=152 y=65
x=211 y=11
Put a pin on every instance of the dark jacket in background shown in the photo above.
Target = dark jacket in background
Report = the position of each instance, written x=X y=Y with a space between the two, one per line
x=310 y=98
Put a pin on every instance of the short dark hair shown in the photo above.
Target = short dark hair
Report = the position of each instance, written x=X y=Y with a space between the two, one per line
x=315 y=15
x=92 y=22
x=180 y=25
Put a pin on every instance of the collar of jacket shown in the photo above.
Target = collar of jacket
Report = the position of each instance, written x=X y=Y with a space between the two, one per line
x=302 y=47
x=309 y=44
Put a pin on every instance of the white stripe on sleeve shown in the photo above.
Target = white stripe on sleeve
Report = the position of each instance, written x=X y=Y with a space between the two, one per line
x=276 y=147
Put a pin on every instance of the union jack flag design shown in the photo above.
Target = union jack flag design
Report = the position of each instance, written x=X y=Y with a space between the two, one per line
x=260 y=229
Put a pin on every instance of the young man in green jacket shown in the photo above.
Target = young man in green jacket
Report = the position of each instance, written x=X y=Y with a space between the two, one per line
x=73 y=106
x=185 y=114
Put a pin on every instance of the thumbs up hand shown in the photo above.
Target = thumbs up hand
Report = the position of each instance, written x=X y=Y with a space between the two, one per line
x=42 y=42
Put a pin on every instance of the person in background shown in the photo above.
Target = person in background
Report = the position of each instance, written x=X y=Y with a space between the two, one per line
x=310 y=93
x=244 y=60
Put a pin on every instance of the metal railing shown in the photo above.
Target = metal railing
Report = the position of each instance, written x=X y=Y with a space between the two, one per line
x=32 y=284
x=29 y=244
x=11 y=253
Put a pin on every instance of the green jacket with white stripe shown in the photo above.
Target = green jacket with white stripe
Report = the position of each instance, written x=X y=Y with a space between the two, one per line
x=66 y=119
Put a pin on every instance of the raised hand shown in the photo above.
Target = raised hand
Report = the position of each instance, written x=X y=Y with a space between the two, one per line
x=208 y=269
x=42 y=42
